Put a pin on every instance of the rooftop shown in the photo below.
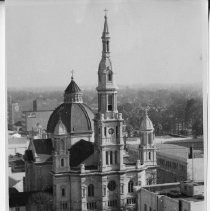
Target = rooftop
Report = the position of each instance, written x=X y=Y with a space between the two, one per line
x=173 y=190
x=173 y=150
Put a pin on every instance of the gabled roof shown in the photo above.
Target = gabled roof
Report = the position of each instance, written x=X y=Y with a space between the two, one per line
x=80 y=151
x=43 y=146
x=40 y=150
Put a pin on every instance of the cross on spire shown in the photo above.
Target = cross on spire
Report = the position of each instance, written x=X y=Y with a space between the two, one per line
x=72 y=74
x=106 y=11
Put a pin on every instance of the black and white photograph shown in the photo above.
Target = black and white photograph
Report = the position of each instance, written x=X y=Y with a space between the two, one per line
x=106 y=105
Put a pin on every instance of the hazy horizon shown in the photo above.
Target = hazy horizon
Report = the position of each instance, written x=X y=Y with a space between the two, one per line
x=152 y=42
x=120 y=86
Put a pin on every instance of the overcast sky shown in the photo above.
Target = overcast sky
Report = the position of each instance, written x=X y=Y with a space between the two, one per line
x=152 y=41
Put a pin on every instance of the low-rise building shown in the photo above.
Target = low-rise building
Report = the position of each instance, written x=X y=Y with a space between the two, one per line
x=33 y=201
x=178 y=163
x=35 y=120
x=17 y=144
x=175 y=163
x=184 y=196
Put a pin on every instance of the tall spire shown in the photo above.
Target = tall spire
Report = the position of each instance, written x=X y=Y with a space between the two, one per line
x=107 y=89
x=105 y=37
x=106 y=30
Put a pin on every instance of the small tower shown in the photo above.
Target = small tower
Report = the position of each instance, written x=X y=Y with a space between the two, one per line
x=61 y=153
x=61 y=167
x=73 y=93
x=147 y=148
x=108 y=122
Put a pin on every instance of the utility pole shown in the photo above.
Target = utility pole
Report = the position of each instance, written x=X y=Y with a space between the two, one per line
x=192 y=162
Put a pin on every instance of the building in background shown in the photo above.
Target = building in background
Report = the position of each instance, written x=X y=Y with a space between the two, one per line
x=14 y=114
x=35 y=122
x=184 y=196
x=17 y=144
x=178 y=163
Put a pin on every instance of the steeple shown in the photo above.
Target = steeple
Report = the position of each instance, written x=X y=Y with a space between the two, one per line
x=105 y=36
x=107 y=90
x=147 y=148
x=108 y=122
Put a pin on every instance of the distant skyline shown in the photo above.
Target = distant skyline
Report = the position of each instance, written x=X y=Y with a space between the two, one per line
x=152 y=42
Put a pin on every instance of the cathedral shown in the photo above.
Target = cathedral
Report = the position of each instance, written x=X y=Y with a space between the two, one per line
x=84 y=159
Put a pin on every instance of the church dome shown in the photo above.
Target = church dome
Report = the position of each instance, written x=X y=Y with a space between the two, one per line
x=72 y=87
x=60 y=128
x=73 y=93
x=146 y=123
x=72 y=116
x=76 y=117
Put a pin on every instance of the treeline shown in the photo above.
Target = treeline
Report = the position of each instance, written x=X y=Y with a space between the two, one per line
x=167 y=107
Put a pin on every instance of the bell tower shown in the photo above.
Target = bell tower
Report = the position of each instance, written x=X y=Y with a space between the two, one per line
x=61 y=153
x=61 y=167
x=147 y=148
x=107 y=90
x=108 y=122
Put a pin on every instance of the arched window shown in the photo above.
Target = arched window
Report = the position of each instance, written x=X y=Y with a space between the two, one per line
x=62 y=144
x=130 y=186
x=110 y=76
x=115 y=157
x=110 y=102
x=63 y=192
x=149 y=155
x=107 y=46
x=91 y=190
x=62 y=162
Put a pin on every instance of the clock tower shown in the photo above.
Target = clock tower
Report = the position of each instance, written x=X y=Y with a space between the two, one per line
x=108 y=122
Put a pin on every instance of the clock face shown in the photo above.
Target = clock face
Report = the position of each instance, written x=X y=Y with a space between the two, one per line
x=16 y=108
x=111 y=131
x=112 y=185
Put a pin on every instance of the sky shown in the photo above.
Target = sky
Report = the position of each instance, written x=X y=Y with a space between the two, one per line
x=152 y=41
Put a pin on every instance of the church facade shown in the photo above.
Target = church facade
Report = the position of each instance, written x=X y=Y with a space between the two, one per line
x=98 y=175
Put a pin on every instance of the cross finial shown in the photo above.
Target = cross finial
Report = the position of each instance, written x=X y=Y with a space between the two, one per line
x=72 y=74
x=106 y=11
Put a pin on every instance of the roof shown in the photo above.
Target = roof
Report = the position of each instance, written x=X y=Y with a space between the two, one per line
x=80 y=151
x=60 y=128
x=43 y=146
x=173 y=150
x=146 y=123
x=19 y=162
x=13 y=190
x=21 y=199
x=15 y=140
x=28 y=155
x=18 y=199
x=72 y=87
x=77 y=118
